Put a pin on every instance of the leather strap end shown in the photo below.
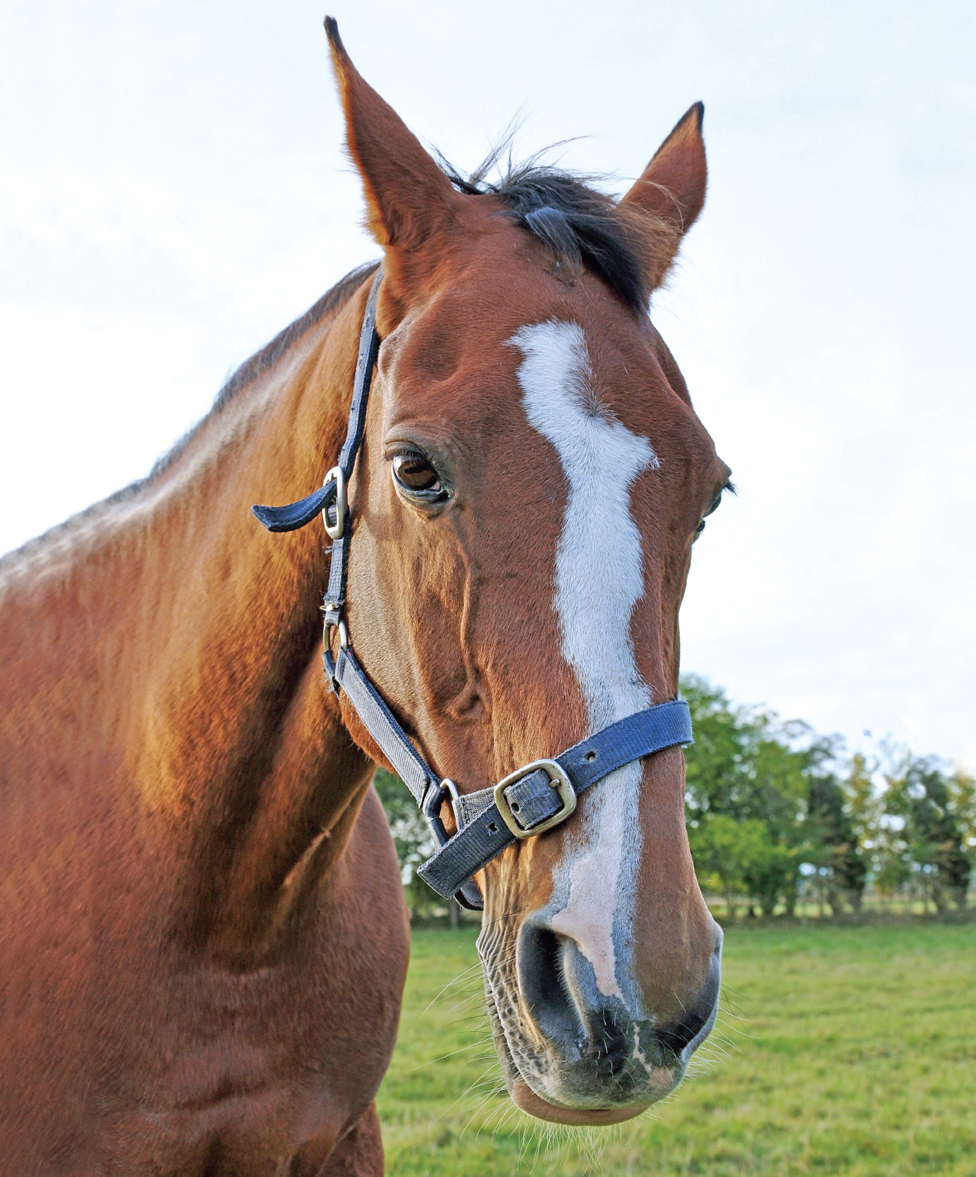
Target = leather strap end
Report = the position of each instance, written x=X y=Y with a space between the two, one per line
x=469 y=897
x=295 y=515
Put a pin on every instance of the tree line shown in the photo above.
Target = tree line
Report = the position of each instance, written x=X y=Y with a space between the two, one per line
x=780 y=817
x=777 y=814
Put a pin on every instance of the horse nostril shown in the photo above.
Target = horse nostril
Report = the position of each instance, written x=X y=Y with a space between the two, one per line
x=675 y=1038
x=679 y=1035
x=540 y=967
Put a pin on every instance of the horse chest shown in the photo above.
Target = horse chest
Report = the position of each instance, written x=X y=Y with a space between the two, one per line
x=208 y=1072
x=241 y=1083
x=250 y=1070
x=227 y=1106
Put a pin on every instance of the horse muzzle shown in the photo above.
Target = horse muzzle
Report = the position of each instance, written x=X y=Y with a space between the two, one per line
x=579 y=1056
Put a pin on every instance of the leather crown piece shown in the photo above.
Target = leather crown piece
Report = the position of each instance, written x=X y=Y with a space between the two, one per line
x=530 y=800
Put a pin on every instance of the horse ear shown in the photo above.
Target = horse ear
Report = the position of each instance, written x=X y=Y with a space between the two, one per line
x=671 y=193
x=408 y=197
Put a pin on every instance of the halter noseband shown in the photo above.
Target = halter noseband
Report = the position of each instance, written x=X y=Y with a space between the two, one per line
x=528 y=801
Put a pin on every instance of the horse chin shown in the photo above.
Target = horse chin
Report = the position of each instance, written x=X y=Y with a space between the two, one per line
x=526 y=1099
x=576 y=1110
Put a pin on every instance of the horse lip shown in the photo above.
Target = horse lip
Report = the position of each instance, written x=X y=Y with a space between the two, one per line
x=529 y=1101
x=593 y=1103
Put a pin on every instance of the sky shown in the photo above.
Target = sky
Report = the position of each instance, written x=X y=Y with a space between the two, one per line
x=174 y=191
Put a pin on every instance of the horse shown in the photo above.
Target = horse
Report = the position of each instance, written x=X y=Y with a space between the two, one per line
x=203 y=933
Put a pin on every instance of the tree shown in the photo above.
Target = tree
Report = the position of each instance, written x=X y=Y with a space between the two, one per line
x=749 y=768
x=932 y=811
x=834 y=842
x=719 y=845
x=862 y=804
x=410 y=836
x=962 y=805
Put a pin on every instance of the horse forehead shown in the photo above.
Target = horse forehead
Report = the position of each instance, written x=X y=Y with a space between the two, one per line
x=585 y=374
x=462 y=350
x=499 y=281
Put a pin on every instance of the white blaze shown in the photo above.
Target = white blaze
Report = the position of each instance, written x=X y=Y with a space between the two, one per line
x=599 y=580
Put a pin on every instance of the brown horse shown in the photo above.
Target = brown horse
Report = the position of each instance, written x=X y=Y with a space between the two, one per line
x=203 y=934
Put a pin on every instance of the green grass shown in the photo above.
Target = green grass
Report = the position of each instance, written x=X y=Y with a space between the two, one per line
x=839 y=1050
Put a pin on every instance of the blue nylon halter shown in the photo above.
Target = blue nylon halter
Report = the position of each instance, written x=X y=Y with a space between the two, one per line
x=533 y=799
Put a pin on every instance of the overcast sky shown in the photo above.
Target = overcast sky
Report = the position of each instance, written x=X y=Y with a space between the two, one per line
x=174 y=192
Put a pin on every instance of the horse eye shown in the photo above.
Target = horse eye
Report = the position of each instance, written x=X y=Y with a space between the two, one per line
x=698 y=530
x=416 y=475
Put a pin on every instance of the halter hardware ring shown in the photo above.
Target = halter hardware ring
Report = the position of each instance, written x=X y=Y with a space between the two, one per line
x=430 y=806
x=335 y=530
x=340 y=625
x=558 y=779
x=449 y=787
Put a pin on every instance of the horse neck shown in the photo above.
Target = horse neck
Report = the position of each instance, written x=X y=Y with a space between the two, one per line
x=234 y=747
x=258 y=736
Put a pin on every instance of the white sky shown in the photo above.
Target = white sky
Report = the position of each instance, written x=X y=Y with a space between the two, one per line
x=174 y=192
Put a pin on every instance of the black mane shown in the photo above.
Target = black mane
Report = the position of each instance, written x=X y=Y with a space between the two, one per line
x=579 y=224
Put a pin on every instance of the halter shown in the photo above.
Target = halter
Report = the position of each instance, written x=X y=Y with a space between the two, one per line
x=527 y=802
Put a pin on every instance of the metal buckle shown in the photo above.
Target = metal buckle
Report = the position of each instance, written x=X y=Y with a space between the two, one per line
x=558 y=779
x=336 y=529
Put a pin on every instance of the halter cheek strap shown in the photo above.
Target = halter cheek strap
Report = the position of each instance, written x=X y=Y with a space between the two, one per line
x=524 y=804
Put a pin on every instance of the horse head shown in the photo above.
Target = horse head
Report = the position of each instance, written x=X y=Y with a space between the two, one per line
x=531 y=481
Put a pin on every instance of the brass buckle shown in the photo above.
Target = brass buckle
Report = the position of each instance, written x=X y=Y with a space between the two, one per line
x=558 y=779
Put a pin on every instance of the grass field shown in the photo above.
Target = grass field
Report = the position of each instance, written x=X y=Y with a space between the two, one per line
x=840 y=1050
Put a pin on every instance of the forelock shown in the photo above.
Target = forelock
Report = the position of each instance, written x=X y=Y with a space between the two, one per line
x=581 y=226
